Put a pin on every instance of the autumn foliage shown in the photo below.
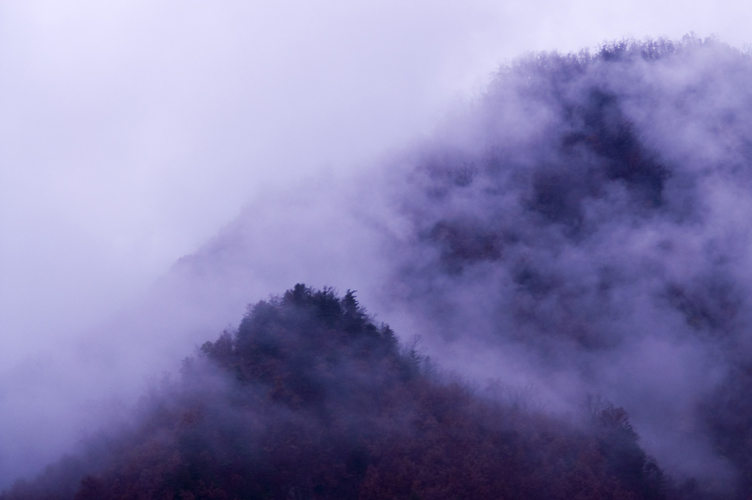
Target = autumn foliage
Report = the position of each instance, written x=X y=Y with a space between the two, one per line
x=310 y=399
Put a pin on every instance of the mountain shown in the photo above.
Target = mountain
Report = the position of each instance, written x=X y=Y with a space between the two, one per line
x=581 y=227
x=310 y=399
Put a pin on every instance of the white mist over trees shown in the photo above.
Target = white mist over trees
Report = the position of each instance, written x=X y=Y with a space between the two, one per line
x=580 y=229
x=587 y=217
x=415 y=242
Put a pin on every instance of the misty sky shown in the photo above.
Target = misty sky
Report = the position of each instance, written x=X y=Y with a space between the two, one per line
x=132 y=131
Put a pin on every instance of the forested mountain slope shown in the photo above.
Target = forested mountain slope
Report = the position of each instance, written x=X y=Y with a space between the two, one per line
x=590 y=214
x=582 y=227
x=309 y=399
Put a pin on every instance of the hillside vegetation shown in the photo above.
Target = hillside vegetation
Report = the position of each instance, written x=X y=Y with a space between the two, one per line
x=310 y=399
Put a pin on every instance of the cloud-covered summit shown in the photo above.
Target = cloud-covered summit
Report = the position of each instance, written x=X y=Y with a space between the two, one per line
x=625 y=164
x=580 y=227
x=589 y=216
